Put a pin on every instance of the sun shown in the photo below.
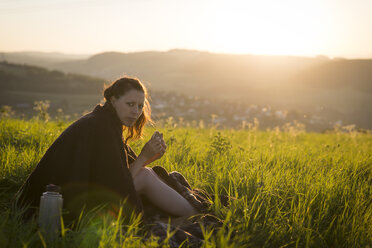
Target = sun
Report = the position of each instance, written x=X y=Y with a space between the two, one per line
x=262 y=27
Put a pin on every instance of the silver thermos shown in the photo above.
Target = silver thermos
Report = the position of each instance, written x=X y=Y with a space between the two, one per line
x=50 y=211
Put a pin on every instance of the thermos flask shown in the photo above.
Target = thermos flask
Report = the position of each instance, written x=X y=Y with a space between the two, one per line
x=50 y=211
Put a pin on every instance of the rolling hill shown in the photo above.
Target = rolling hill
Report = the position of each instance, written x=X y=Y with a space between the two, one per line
x=21 y=85
x=315 y=84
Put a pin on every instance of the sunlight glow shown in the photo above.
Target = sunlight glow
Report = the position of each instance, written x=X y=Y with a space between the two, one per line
x=286 y=27
x=264 y=27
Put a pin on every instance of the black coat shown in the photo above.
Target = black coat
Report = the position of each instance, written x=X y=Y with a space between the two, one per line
x=89 y=160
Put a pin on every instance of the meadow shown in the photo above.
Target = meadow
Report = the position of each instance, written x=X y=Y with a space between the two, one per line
x=292 y=188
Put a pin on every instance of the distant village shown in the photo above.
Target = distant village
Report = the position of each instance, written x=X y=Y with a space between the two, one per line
x=195 y=111
x=170 y=108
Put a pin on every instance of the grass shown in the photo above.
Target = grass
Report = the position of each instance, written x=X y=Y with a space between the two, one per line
x=293 y=189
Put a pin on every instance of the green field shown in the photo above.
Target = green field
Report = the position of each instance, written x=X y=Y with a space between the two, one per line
x=293 y=189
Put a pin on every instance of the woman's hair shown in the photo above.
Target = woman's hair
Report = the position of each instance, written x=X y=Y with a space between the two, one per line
x=119 y=88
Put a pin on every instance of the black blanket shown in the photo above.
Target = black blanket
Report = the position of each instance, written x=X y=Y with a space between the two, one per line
x=89 y=160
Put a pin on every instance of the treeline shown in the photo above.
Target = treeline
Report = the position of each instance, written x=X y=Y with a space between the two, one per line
x=14 y=77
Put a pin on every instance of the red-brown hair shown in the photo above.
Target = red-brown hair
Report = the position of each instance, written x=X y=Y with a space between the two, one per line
x=119 y=88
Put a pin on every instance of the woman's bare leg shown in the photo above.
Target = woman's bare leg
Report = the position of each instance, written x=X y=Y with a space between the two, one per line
x=148 y=183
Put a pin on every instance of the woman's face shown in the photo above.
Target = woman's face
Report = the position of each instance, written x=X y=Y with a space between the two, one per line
x=129 y=106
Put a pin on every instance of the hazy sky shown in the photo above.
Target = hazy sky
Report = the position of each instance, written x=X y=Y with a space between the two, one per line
x=337 y=28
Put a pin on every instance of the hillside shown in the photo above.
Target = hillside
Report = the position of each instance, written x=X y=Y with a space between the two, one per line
x=339 y=89
x=353 y=75
x=38 y=58
x=192 y=67
x=339 y=85
x=193 y=71
x=21 y=85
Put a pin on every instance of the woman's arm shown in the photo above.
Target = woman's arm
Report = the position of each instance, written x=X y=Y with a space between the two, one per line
x=136 y=166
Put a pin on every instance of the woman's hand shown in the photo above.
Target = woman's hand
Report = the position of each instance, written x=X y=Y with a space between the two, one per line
x=154 y=148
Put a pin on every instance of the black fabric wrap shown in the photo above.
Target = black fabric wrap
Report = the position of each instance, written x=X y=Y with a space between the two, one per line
x=89 y=160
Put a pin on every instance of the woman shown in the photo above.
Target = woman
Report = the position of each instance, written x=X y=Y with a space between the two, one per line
x=93 y=163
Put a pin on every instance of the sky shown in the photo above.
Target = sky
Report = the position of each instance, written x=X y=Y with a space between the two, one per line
x=334 y=28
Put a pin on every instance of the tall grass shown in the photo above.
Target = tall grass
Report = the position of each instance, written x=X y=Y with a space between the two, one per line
x=293 y=189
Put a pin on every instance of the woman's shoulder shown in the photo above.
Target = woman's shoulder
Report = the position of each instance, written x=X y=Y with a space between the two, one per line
x=88 y=123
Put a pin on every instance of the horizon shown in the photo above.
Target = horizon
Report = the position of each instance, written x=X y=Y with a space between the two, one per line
x=331 y=28
x=325 y=56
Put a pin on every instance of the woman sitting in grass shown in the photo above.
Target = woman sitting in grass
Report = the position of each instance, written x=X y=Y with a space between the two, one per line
x=93 y=163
